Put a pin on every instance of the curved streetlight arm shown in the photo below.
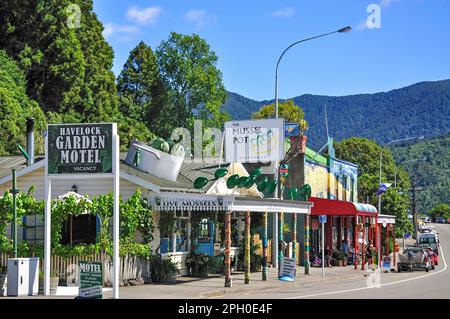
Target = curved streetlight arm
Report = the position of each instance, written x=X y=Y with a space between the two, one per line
x=346 y=29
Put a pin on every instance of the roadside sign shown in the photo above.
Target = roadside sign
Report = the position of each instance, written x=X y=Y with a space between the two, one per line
x=287 y=269
x=80 y=148
x=387 y=263
x=284 y=170
x=407 y=235
x=254 y=141
x=76 y=151
x=322 y=219
x=91 y=279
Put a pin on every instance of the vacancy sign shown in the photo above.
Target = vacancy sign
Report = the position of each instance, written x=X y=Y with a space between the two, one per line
x=80 y=149
x=254 y=141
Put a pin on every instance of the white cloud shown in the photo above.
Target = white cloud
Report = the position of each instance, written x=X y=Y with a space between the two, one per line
x=144 y=16
x=385 y=3
x=111 y=29
x=200 y=18
x=286 y=12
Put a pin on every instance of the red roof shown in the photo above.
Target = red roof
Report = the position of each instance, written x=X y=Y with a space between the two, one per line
x=323 y=206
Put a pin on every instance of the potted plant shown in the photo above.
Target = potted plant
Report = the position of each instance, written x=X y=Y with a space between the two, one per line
x=163 y=270
x=338 y=258
x=3 y=273
x=198 y=264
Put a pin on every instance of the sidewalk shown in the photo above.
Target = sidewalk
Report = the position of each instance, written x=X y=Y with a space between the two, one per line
x=198 y=288
x=213 y=287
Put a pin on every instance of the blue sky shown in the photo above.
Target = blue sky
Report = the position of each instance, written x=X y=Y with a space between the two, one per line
x=411 y=45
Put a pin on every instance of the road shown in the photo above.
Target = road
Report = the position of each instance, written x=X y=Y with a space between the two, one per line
x=406 y=285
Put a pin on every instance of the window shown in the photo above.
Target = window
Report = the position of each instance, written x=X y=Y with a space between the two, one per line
x=33 y=229
x=352 y=190
x=336 y=183
x=344 y=188
x=182 y=220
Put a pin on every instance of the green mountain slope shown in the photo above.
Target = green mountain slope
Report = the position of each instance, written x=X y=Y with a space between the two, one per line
x=431 y=174
x=419 y=109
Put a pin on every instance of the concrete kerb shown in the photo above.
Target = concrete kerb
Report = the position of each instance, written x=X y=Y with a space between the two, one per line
x=274 y=284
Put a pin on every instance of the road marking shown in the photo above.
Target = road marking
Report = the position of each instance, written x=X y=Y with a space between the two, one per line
x=379 y=286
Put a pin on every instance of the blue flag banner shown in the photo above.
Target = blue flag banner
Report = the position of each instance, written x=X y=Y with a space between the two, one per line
x=383 y=188
x=291 y=129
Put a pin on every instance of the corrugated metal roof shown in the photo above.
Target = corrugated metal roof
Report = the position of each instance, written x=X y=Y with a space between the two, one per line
x=185 y=182
x=314 y=156
x=7 y=163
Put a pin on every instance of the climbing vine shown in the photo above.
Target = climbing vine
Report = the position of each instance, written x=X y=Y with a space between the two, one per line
x=135 y=216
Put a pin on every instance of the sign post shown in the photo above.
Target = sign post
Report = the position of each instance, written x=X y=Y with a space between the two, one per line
x=323 y=220
x=81 y=151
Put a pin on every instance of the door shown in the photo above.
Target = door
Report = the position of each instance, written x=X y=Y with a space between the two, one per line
x=205 y=240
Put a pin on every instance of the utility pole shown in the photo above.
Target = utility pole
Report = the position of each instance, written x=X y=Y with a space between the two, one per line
x=413 y=190
x=414 y=207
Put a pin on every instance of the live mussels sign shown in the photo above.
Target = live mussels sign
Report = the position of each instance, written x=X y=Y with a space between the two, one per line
x=80 y=148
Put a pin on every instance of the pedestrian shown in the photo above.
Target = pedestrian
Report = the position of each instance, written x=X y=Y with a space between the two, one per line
x=344 y=248
x=369 y=253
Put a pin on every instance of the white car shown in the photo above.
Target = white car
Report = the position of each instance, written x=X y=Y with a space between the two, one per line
x=426 y=219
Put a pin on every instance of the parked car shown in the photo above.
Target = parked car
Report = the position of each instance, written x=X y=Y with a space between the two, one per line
x=429 y=240
x=414 y=258
x=433 y=257
x=440 y=220
x=426 y=219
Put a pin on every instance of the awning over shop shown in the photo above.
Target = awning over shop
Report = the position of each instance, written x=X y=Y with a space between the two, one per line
x=323 y=206
x=386 y=219
x=206 y=202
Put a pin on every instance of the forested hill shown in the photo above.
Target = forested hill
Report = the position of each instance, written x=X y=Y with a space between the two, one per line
x=419 y=109
x=431 y=171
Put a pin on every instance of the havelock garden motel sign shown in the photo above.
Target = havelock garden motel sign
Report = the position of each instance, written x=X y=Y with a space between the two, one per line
x=76 y=151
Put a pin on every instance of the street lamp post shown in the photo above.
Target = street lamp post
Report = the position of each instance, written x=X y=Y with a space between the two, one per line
x=277 y=163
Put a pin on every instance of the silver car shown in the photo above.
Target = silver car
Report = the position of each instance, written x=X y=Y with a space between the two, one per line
x=414 y=258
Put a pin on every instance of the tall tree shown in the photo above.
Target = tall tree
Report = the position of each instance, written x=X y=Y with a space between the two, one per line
x=67 y=65
x=188 y=68
x=440 y=210
x=142 y=95
x=366 y=154
x=15 y=107
x=288 y=110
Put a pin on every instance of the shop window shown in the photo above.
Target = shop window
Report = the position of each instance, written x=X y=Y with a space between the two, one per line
x=179 y=239
x=204 y=235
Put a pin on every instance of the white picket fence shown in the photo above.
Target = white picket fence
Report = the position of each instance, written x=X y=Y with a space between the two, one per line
x=132 y=268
